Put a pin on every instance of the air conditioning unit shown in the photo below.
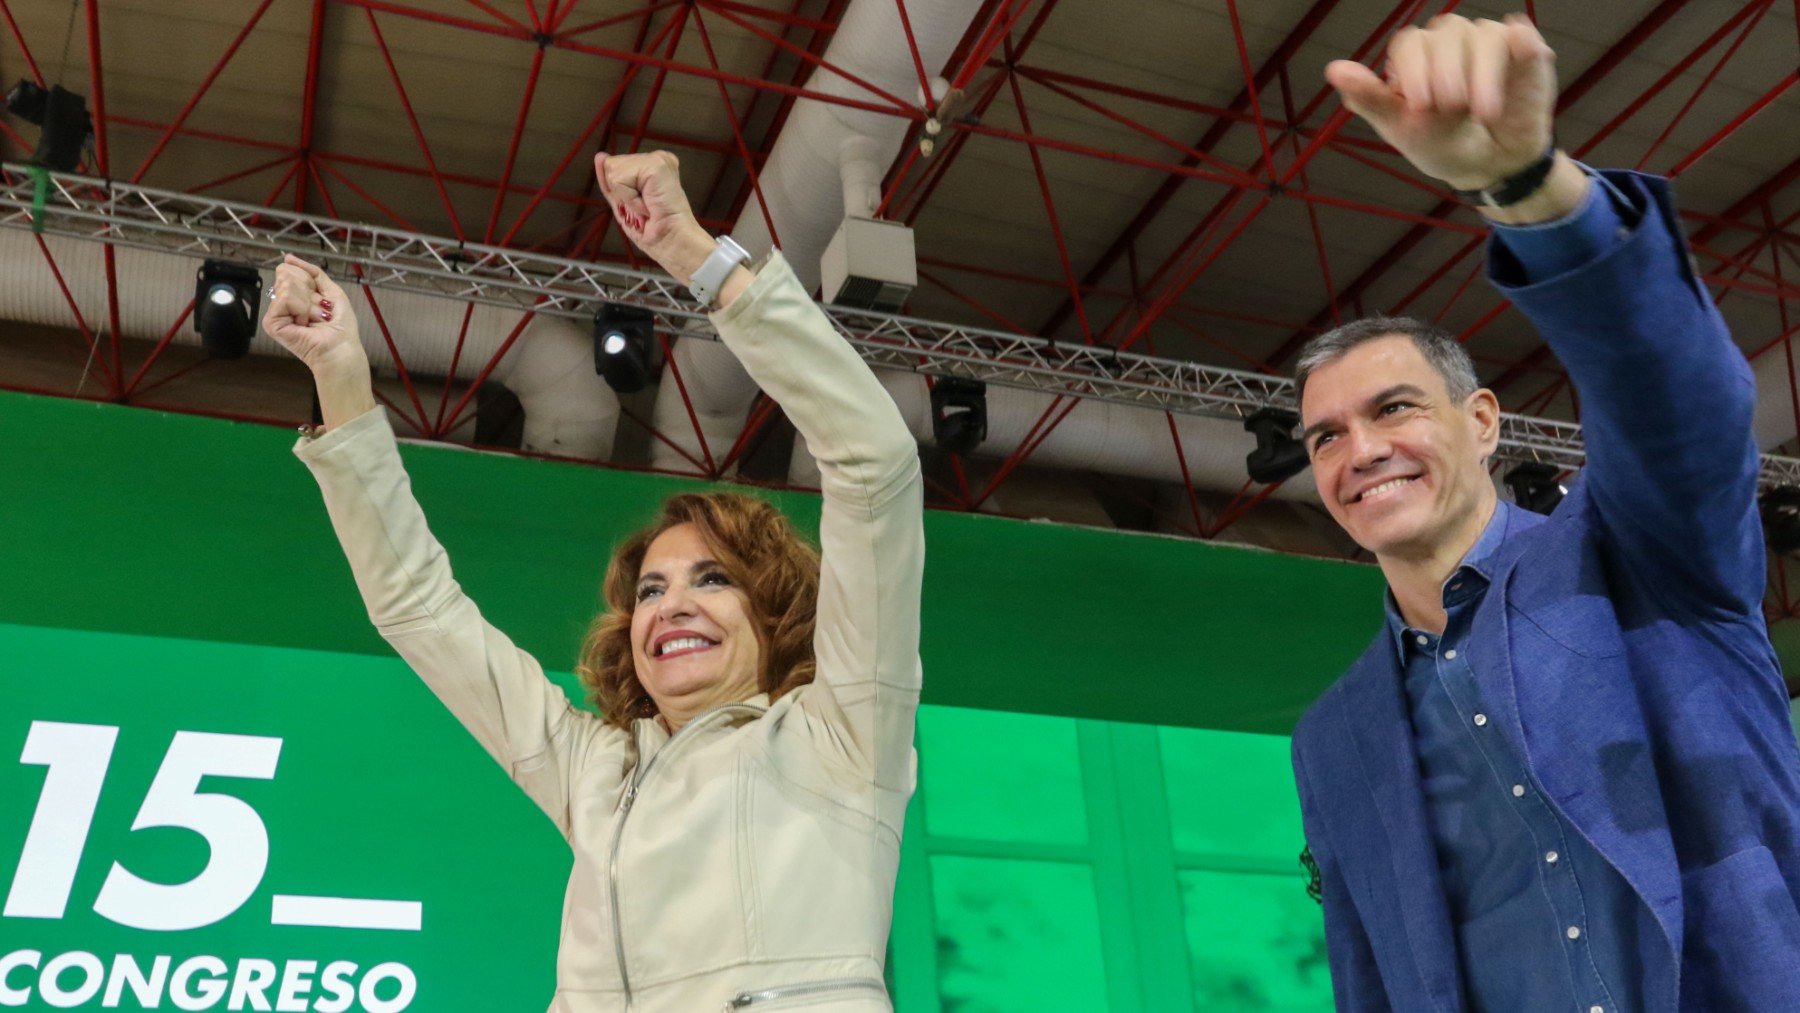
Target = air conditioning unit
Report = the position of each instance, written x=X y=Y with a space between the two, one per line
x=869 y=265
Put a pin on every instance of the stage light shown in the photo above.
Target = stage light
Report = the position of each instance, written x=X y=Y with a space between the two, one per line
x=64 y=127
x=1278 y=456
x=1781 y=519
x=26 y=101
x=226 y=301
x=1535 y=486
x=958 y=414
x=624 y=346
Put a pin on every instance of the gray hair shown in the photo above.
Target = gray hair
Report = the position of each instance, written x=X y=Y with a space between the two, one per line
x=1439 y=347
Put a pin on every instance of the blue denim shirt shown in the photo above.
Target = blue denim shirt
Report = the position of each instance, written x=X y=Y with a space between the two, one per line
x=1542 y=921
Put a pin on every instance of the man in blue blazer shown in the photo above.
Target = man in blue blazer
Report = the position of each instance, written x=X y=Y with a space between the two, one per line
x=1563 y=776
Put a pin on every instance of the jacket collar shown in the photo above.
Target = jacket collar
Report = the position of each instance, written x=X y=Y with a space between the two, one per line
x=651 y=737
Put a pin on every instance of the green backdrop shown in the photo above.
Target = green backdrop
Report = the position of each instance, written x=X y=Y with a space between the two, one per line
x=1105 y=820
x=159 y=524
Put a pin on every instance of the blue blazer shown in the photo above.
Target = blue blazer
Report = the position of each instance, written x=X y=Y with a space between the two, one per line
x=1620 y=648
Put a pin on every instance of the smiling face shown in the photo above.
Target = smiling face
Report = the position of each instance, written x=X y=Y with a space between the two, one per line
x=1399 y=463
x=693 y=638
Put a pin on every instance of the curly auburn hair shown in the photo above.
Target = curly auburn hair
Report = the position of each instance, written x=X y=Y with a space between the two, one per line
x=759 y=551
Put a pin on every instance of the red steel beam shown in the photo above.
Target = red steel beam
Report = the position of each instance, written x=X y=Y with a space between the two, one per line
x=1749 y=202
x=646 y=13
x=81 y=324
x=309 y=100
x=1303 y=30
x=1705 y=83
x=1681 y=67
x=1736 y=122
x=1601 y=67
x=437 y=178
x=241 y=174
x=638 y=59
x=814 y=43
x=199 y=93
x=637 y=137
x=602 y=115
x=1056 y=232
x=102 y=159
x=967 y=59
x=737 y=134
x=512 y=146
x=19 y=37
x=723 y=10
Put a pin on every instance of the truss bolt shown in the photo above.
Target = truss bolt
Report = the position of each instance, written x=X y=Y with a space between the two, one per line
x=926 y=146
x=934 y=126
x=544 y=40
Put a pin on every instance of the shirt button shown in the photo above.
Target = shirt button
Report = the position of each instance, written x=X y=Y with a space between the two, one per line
x=1423 y=640
x=1449 y=655
x=1480 y=720
x=1574 y=932
x=1550 y=857
x=1518 y=791
x=1596 y=1009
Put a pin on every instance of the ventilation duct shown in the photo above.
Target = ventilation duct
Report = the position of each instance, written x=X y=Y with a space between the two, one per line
x=824 y=151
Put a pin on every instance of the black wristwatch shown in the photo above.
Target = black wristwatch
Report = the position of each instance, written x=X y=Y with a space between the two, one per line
x=1515 y=187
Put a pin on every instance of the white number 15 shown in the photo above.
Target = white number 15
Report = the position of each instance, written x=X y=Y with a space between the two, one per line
x=77 y=757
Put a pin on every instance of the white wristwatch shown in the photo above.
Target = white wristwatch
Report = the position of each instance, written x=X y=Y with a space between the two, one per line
x=711 y=275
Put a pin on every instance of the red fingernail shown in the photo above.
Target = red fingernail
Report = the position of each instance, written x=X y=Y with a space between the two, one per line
x=325 y=315
x=325 y=303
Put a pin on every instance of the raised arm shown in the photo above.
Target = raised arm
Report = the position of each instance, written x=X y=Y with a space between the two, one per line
x=1599 y=265
x=496 y=690
x=871 y=529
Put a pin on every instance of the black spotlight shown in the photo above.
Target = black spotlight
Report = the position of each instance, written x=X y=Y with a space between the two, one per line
x=1535 y=487
x=624 y=346
x=1278 y=456
x=26 y=101
x=1781 y=519
x=227 y=297
x=958 y=414
x=64 y=126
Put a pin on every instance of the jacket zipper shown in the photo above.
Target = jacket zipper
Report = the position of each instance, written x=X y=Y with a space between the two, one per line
x=743 y=999
x=612 y=864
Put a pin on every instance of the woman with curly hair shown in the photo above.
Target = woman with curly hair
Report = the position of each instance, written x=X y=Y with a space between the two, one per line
x=735 y=811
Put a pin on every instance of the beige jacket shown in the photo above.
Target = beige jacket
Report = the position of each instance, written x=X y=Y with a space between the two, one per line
x=749 y=862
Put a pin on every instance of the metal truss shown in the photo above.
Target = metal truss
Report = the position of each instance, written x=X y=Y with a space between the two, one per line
x=122 y=214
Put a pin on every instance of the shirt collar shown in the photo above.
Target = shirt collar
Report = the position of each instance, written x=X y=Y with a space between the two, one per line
x=1467 y=581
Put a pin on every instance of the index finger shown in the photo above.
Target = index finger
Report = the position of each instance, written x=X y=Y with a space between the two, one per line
x=312 y=270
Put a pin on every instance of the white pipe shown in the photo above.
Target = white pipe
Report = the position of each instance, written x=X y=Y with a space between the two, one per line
x=1096 y=436
x=569 y=410
x=1774 y=419
x=803 y=187
x=861 y=176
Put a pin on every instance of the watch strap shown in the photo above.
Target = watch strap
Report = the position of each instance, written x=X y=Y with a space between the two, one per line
x=711 y=275
x=1515 y=187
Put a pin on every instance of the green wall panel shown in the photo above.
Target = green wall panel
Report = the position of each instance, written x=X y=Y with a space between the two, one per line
x=1002 y=777
x=1015 y=934
x=1255 y=943
x=167 y=525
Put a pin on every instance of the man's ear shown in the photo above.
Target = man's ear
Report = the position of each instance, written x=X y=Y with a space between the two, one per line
x=1483 y=410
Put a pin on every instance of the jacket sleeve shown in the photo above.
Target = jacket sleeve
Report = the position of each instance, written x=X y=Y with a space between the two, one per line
x=496 y=690
x=871 y=528
x=1355 y=979
x=1667 y=405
